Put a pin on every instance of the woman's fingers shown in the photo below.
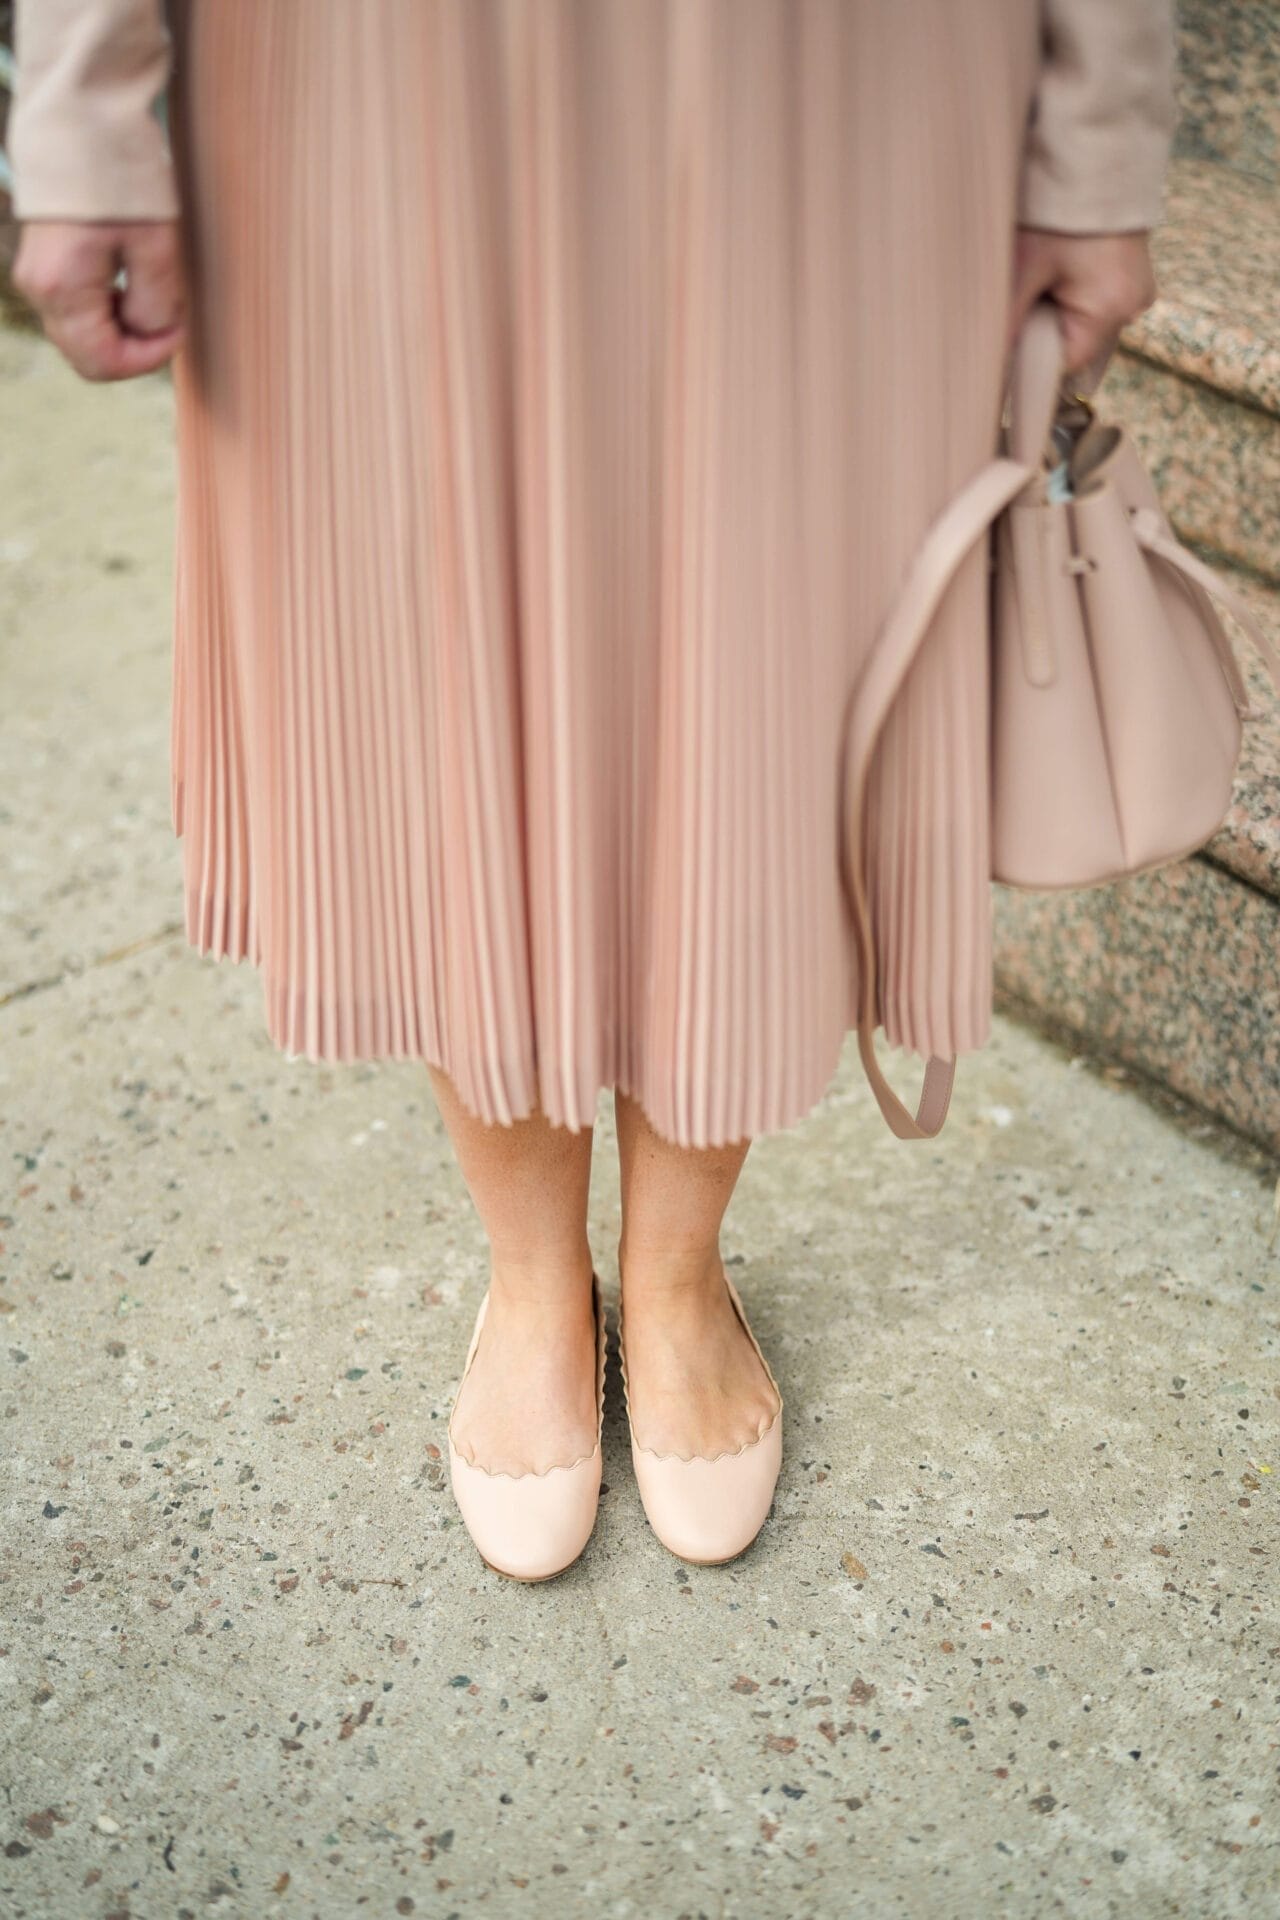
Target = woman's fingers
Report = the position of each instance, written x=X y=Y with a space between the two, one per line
x=68 y=271
x=86 y=330
x=151 y=302
x=97 y=348
x=1099 y=282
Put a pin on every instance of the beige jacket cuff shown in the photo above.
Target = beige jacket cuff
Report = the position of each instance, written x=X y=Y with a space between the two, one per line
x=83 y=141
x=1101 y=127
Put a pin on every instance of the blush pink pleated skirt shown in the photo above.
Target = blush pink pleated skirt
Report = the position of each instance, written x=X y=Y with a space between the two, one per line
x=569 y=384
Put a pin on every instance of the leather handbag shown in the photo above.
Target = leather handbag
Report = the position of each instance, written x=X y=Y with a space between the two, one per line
x=1117 y=701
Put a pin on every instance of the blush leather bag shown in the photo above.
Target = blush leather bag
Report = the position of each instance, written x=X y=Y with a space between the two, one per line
x=1117 y=701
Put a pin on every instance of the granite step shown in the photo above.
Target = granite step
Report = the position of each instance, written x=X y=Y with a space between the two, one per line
x=1172 y=972
x=1248 y=842
x=1197 y=377
x=1217 y=256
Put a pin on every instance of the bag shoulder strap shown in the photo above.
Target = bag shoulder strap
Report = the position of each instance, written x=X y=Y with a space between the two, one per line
x=965 y=519
x=1031 y=394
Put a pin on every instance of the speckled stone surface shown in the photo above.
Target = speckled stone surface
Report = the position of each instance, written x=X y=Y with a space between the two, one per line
x=1177 y=972
x=1215 y=462
x=1249 y=840
x=1005 y=1645
x=1228 y=85
x=1211 y=434
x=1217 y=259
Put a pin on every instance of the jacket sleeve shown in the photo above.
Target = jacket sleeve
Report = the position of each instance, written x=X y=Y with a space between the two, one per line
x=84 y=141
x=1101 y=124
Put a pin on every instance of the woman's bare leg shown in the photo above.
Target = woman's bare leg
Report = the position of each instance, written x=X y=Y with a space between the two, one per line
x=697 y=1385
x=529 y=1401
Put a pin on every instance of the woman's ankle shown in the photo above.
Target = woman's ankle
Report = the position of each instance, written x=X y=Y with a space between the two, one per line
x=671 y=1274
x=541 y=1283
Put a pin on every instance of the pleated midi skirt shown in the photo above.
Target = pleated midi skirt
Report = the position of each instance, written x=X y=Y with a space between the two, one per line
x=568 y=385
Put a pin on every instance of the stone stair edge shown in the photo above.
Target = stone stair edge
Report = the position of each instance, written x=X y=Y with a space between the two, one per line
x=1214 y=318
x=1247 y=844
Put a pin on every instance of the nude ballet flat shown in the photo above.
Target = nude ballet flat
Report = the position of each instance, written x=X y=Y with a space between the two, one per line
x=706 y=1511
x=531 y=1526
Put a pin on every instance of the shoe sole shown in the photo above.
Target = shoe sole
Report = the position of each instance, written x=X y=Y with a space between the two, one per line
x=531 y=1579
x=686 y=1561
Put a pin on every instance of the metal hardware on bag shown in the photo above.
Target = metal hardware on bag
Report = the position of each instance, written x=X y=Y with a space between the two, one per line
x=1057 y=486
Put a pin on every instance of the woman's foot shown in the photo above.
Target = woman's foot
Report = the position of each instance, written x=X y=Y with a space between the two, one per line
x=529 y=1400
x=695 y=1383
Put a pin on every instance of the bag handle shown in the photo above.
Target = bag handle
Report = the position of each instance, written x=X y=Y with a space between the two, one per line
x=1032 y=392
x=1034 y=384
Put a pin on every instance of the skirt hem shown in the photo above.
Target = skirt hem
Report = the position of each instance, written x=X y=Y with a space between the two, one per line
x=521 y=1092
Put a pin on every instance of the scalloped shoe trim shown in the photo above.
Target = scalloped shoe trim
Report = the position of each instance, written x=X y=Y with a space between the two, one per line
x=526 y=1473
x=725 y=1453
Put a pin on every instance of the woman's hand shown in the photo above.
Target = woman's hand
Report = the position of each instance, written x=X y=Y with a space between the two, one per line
x=68 y=271
x=1098 y=281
